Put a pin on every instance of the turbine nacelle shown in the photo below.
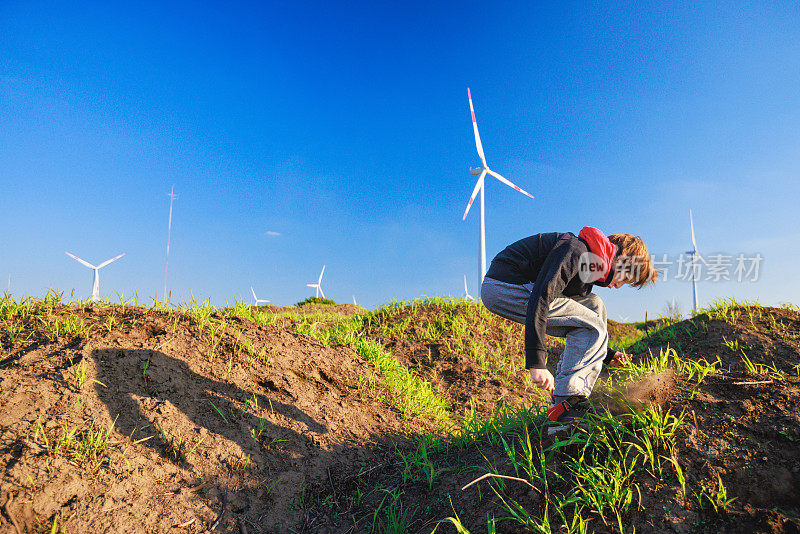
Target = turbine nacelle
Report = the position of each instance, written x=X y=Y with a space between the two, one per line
x=476 y=171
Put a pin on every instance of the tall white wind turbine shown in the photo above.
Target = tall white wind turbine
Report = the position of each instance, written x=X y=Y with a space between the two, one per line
x=695 y=255
x=318 y=285
x=258 y=300
x=481 y=172
x=466 y=291
x=172 y=196
x=96 y=282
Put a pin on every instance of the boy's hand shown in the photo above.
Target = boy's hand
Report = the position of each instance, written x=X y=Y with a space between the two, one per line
x=543 y=379
x=620 y=359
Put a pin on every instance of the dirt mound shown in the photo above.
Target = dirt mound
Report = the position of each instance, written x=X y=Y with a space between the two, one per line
x=120 y=419
x=312 y=309
x=261 y=411
x=473 y=359
x=739 y=431
x=745 y=418
x=622 y=330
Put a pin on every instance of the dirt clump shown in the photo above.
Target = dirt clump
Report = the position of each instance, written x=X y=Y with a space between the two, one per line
x=651 y=390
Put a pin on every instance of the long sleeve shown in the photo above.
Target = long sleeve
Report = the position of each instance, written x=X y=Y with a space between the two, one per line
x=560 y=266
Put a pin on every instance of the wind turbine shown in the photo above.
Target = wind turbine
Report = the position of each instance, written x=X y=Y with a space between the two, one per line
x=172 y=196
x=468 y=297
x=694 y=254
x=96 y=283
x=318 y=285
x=256 y=298
x=481 y=172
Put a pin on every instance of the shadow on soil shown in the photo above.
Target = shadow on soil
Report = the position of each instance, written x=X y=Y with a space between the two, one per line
x=265 y=468
x=133 y=379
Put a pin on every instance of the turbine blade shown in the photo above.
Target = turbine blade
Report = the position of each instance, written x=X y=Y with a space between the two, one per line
x=109 y=261
x=320 y=275
x=509 y=184
x=478 y=144
x=478 y=186
x=253 y=291
x=691 y=223
x=321 y=292
x=465 y=285
x=311 y=285
x=86 y=263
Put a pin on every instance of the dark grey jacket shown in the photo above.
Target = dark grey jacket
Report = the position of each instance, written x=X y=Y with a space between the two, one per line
x=551 y=261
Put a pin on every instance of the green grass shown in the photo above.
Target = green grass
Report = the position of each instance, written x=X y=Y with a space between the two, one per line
x=622 y=343
x=84 y=443
x=730 y=309
x=714 y=494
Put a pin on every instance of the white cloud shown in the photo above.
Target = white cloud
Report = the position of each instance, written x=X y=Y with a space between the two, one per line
x=272 y=233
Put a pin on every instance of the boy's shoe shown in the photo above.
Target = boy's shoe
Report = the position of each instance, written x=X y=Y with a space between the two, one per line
x=568 y=413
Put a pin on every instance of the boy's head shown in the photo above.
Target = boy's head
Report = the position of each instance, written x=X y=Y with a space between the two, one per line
x=633 y=264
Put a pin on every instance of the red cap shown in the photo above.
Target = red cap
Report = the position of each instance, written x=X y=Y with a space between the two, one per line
x=601 y=247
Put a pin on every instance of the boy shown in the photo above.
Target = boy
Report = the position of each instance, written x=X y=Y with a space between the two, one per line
x=545 y=282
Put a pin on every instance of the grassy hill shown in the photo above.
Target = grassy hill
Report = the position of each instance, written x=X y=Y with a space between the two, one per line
x=122 y=418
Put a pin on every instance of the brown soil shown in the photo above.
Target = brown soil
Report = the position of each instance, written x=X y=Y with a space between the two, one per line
x=267 y=430
x=301 y=437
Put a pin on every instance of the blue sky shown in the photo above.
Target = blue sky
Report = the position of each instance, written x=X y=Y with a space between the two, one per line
x=345 y=128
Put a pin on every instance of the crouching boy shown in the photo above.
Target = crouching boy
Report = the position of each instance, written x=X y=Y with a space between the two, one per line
x=545 y=282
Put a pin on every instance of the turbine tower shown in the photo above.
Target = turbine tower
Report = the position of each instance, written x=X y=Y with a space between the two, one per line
x=318 y=285
x=481 y=172
x=258 y=300
x=695 y=255
x=172 y=196
x=96 y=282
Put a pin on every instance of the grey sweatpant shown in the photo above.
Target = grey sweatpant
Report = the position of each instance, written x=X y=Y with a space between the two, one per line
x=581 y=320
